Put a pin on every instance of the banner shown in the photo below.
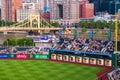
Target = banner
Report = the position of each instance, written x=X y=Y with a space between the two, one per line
x=108 y=63
x=100 y=62
x=31 y=56
x=42 y=56
x=86 y=60
x=4 y=55
x=72 y=58
x=79 y=59
x=75 y=33
x=91 y=34
x=59 y=57
x=92 y=61
x=65 y=58
x=109 y=34
x=13 y=56
x=53 y=56
x=21 y=56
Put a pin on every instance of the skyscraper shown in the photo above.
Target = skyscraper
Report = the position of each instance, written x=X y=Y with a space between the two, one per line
x=9 y=9
x=46 y=6
x=64 y=11
x=39 y=4
x=106 y=5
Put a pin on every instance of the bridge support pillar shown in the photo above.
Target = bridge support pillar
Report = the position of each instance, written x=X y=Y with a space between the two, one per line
x=5 y=32
x=39 y=31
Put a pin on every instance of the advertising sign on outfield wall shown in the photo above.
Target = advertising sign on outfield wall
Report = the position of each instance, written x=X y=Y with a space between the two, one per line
x=65 y=58
x=21 y=56
x=78 y=59
x=42 y=56
x=86 y=60
x=31 y=56
x=4 y=55
x=53 y=56
x=13 y=56
x=59 y=57
x=108 y=63
x=72 y=58
x=100 y=62
x=93 y=61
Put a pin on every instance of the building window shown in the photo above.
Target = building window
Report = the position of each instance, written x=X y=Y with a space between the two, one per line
x=60 y=7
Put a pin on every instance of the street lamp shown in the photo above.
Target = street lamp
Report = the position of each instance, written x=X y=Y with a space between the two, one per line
x=32 y=42
x=7 y=43
x=24 y=43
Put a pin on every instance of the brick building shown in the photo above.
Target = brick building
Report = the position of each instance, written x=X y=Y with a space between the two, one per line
x=0 y=13
x=67 y=12
x=86 y=9
x=8 y=10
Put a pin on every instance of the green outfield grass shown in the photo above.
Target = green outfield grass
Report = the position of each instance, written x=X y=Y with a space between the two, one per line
x=45 y=70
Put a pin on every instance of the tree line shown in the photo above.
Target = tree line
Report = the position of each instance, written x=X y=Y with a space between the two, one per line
x=82 y=24
x=6 y=23
x=98 y=24
x=19 y=42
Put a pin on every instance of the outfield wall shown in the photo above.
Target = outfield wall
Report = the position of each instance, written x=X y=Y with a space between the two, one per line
x=24 y=56
x=91 y=58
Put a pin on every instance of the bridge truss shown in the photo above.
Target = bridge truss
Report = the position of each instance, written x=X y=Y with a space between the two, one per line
x=34 y=22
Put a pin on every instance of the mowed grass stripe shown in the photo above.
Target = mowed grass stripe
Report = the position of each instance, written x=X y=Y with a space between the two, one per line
x=45 y=70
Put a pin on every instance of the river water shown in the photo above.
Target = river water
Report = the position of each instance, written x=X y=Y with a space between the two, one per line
x=18 y=35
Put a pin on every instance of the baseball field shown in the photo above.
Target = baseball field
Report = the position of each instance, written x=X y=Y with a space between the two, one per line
x=45 y=70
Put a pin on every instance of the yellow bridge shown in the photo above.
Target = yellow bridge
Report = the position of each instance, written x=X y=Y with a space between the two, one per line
x=29 y=24
x=29 y=28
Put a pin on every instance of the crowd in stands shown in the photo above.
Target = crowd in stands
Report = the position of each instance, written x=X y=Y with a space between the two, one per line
x=86 y=45
x=114 y=75
x=23 y=50
x=78 y=44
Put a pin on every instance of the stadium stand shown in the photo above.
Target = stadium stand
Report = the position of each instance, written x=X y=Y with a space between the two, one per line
x=86 y=45
x=22 y=50
x=103 y=74
x=114 y=75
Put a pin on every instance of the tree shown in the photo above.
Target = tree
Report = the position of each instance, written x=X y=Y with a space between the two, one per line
x=98 y=24
x=84 y=29
x=19 y=42
x=55 y=24
x=81 y=24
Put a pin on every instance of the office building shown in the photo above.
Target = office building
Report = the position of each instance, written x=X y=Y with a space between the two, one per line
x=8 y=9
x=86 y=9
x=24 y=13
x=65 y=12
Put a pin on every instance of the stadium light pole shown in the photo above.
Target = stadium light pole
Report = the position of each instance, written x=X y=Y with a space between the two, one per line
x=116 y=33
x=116 y=28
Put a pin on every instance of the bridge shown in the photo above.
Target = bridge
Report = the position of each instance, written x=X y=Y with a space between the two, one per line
x=34 y=22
